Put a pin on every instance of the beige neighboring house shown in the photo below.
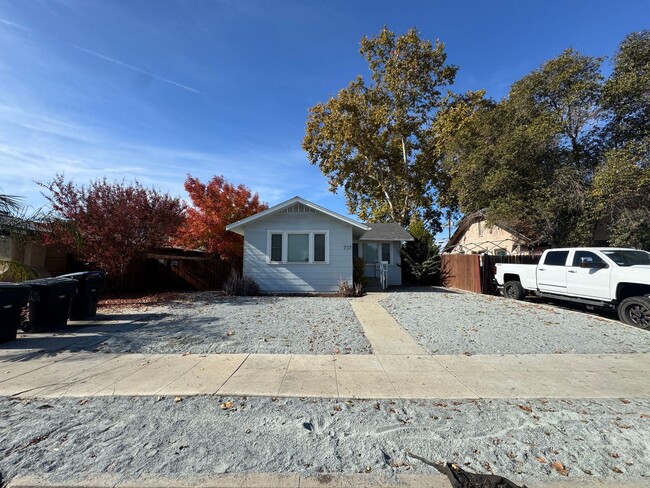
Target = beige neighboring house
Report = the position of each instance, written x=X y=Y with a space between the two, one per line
x=474 y=236
x=46 y=260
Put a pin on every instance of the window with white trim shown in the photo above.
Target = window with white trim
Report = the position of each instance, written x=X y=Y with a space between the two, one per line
x=298 y=247
x=385 y=252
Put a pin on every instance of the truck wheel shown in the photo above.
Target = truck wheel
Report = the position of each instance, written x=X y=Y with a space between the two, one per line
x=635 y=311
x=514 y=290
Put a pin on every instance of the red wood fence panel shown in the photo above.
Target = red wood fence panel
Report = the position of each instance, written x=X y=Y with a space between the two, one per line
x=462 y=271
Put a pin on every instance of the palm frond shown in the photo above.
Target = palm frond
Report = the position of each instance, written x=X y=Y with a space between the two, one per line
x=9 y=203
x=15 y=272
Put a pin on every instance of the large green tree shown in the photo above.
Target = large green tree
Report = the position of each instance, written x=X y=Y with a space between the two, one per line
x=621 y=187
x=368 y=139
x=528 y=158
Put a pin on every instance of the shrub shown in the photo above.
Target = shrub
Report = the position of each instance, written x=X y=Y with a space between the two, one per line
x=238 y=285
x=358 y=270
x=345 y=289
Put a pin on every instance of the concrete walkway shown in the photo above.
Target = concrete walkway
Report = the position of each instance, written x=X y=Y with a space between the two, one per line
x=83 y=374
x=381 y=329
x=288 y=480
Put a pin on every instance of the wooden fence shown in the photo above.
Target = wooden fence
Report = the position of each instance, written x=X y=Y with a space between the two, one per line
x=462 y=271
x=158 y=272
x=474 y=272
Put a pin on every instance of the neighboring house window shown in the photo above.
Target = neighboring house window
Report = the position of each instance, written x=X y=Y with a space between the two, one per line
x=276 y=247
x=298 y=247
x=385 y=252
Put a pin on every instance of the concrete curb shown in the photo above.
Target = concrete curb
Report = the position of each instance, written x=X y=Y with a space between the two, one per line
x=273 y=480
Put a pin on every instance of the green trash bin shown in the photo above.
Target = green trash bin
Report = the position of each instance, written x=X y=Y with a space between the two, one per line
x=84 y=303
x=13 y=298
x=49 y=303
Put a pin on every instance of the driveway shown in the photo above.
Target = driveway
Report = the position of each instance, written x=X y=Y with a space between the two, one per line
x=443 y=321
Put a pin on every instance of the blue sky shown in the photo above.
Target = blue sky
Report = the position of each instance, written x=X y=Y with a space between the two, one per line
x=154 y=89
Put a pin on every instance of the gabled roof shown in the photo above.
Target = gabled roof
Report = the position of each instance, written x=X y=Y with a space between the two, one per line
x=386 y=232
x=472 y=218
x=239 y=225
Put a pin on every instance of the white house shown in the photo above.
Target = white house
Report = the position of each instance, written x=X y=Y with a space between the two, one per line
x=298 y=247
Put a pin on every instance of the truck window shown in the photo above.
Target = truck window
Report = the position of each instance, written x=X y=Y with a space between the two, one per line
x=578 y=255
x=556 y=258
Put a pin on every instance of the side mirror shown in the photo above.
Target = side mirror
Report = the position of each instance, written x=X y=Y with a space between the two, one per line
x=587 y=263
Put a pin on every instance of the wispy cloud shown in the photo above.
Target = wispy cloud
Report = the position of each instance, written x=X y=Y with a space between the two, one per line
x=107 y=58
x=35 y=147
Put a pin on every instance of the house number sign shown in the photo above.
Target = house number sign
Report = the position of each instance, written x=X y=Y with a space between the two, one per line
x=347 y=248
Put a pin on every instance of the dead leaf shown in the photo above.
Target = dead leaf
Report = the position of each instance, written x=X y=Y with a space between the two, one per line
x=559 y=467
x=178 y=399
x=83 y=402
x=615 y=455
x=229 y=333
x=645 y=416
x=621 y=425
x=623 y=400
x=525 y=408
x=540 y=459
x=227 y=405
x=618 y=470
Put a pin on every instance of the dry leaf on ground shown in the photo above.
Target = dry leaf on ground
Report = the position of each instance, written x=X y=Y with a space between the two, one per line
x=559 y=467
x=227 y=405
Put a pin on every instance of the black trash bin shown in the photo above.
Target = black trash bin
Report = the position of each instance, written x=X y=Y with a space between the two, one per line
x=49 y=303
x=13 y=298
x=89 y=284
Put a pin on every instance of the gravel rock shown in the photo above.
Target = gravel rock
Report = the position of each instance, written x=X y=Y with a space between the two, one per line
x=203 y=323
x=72 y=439
x=446 y=322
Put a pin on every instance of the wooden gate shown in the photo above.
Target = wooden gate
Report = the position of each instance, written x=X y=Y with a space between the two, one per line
x=462 y=271
x=473 y=272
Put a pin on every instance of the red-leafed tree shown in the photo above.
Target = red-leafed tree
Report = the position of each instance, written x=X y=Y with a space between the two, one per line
x=109 y=224
x=215 y=205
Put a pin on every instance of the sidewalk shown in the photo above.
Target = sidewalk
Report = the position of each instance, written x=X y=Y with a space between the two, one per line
x=271 y=480
x=83 y=374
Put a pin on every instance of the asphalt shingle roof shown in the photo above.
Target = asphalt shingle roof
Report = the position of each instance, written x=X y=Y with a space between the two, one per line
x=385 y=232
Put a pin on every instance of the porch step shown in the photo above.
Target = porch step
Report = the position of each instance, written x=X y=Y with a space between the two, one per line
x=373 y=285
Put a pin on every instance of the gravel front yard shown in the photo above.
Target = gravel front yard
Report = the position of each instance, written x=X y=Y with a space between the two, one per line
x=445 y=322
x=201 y=323
x=69 y=439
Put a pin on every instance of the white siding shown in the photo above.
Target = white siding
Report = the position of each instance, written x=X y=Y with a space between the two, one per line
x=298 y=277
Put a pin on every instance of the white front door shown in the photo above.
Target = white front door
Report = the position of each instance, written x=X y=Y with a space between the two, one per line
x=370 y=254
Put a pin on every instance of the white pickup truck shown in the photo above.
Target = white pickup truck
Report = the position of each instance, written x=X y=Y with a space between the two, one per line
x=604 y=277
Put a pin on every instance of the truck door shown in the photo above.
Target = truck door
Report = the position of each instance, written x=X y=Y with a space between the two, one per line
x=592 y=282
x=552 y=273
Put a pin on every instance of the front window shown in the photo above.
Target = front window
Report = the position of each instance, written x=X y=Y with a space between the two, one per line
x=369 y=252
x=628 y=258
x=276 y=247
x=385 y=252
x=319 y=248
x=298 y=248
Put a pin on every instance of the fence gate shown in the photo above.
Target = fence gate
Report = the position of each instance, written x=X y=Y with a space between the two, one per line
x=462 y=271
x=473 y=272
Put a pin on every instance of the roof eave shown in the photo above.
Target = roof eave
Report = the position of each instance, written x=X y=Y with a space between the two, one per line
x=237 y=227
